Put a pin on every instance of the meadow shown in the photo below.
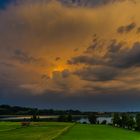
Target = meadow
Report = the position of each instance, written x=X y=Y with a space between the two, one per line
x=63 y=131
x=99 y=132
x=36 y=131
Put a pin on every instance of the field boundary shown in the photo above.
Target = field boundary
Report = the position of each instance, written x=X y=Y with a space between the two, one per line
x=65 y=130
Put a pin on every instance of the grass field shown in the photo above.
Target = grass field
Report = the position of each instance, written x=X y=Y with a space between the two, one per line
x=64 y=131
x=99 y=132
x=37 y=131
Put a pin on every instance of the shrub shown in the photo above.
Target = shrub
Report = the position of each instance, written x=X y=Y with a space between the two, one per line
x=104 y=122
x=92 y=118
x=25 y=123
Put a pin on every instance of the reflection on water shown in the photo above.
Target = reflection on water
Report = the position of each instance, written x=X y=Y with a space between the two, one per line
x=107 y=119
x=83 y=120
x=99 y=120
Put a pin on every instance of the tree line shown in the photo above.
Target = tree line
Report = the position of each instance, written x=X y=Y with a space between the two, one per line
x=126 y=120
x=17 y=110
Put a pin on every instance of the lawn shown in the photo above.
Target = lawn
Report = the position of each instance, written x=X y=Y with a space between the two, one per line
x=98 y=132
x=37 y=131
x=64 y=131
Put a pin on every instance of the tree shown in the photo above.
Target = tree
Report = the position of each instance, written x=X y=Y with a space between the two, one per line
x=62 y=118
x=131 y=122
x=35 y=116
x=138 y=121
x=104 y=122
x=116 y=119
x=92 y=118
x=69 y=118
x=125 y=120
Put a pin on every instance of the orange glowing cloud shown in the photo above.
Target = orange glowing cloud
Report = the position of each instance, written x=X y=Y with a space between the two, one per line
x=50 y=40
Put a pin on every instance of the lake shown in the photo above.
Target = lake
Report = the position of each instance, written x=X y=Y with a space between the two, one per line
x=99 y=119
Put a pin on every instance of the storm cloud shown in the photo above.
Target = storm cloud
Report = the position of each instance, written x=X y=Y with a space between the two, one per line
x=73 y=54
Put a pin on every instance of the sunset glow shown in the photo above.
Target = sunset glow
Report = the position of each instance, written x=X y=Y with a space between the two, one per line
x=70 y=55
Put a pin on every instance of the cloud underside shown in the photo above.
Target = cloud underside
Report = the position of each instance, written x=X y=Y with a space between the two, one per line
x=54 y=50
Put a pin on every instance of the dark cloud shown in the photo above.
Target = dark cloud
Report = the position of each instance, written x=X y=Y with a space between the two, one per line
x=26 y=58
x=127 y=28
x=89 y=58
x=4 y=3
x=84 y=59
x=83 y=2
x=109 y=67
x=97 y=73
x=65 y=73
x=129 y=58
x=116 y=56
x=92 y=47
x=91 y=3
x=115 y=46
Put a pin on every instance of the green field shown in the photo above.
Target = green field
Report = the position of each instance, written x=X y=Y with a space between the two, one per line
x=99 y=132
x=64 y=131
x=37 y=131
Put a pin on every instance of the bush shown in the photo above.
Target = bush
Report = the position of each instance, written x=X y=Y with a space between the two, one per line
x=116 y=119
x=25 y=123
x=104 y=122
x=65 y=118
x=92 y=118
x=69 y=118
x=138 y=121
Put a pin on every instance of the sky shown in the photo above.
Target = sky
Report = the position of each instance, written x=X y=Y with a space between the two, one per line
x=70 y=54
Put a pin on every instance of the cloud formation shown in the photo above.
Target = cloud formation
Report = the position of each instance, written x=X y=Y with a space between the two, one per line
x=52 y=50
x=126 y=29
